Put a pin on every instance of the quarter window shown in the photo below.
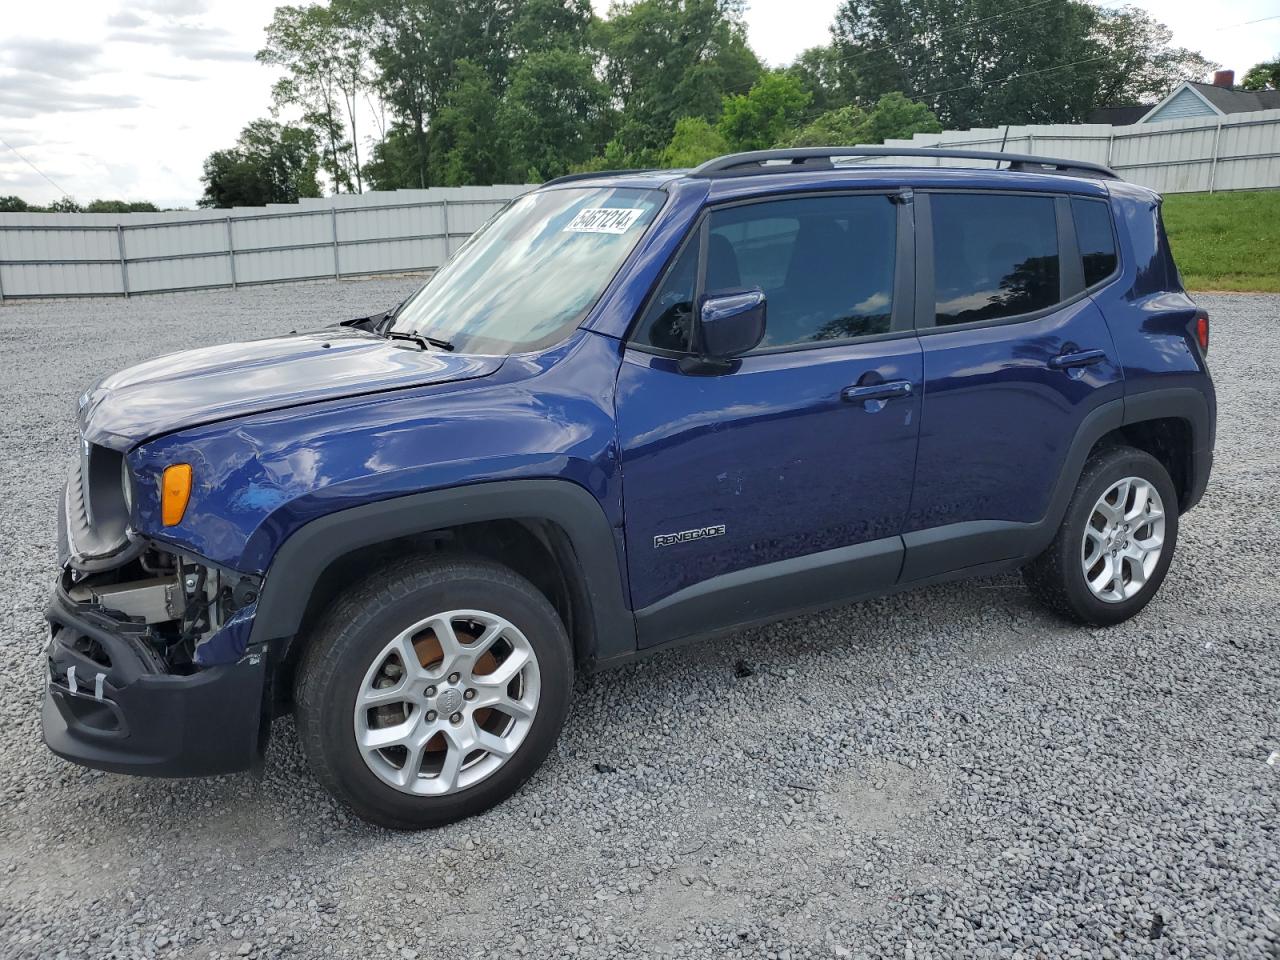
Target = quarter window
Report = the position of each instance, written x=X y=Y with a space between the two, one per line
x=1095 y=238
x=825 y=264
x=994 y=256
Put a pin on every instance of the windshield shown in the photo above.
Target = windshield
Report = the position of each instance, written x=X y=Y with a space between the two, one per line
x=527 y=277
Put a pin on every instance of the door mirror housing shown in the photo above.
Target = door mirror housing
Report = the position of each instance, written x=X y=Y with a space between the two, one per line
x=730 y=325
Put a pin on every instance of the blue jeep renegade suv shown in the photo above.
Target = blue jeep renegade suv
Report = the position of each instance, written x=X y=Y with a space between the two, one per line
x=634 y=409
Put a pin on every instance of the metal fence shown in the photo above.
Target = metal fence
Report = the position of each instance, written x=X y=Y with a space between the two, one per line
x=1192 y=155
x=86 y=254
x=61 y=255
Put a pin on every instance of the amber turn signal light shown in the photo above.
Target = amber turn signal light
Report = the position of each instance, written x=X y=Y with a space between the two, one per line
x=175 y=491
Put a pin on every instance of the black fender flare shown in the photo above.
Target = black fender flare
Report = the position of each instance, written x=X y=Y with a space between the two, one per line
x=1193 y=406
x=298 y=565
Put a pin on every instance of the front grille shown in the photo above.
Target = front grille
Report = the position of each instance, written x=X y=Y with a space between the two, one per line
x=96 y=515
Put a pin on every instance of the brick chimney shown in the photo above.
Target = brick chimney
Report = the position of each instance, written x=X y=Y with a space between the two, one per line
x=1224 y=78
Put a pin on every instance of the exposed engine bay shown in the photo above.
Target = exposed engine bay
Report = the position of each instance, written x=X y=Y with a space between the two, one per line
x=168 y=602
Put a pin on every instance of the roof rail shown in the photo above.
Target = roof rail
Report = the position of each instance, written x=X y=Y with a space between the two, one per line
x=820 y=157
x=595 y=174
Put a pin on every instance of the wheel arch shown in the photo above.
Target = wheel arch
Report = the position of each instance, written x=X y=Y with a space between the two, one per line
x=1176 y=426
x=544 y=520
x=1173 y=424
x=956 y=549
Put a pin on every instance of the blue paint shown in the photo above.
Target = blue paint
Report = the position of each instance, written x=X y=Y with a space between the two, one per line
x=231 y=641
x=286 y=430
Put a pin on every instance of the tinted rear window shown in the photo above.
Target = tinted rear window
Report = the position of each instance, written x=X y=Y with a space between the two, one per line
x=1096 y=239
x=994 y=256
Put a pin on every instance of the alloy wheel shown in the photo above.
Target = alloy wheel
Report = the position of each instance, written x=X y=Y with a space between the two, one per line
x=447 y=702
x=1123 y=539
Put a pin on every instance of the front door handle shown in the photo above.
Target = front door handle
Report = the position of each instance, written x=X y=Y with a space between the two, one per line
x=877 y=391
x=1078 y=358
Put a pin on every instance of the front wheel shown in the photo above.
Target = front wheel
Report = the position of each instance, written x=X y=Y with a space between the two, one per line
x=432 y=690
x=1115 y=544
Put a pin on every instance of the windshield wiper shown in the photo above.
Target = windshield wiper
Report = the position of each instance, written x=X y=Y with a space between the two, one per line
x=420 y=339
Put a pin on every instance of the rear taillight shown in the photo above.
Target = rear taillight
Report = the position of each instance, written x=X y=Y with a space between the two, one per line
x=1202 y=330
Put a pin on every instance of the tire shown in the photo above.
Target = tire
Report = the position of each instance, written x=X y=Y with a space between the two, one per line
x=355 y=652
x=1057 y=578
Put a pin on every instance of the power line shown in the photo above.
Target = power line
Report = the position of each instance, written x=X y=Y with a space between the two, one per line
x=1018 y=12
x=61 y=192
x=982 y=85
x=1232 y=26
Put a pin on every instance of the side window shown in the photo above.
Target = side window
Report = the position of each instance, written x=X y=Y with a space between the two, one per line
x=1095 y=238
x=994 y=256
x=825 y=263
x=667 y=323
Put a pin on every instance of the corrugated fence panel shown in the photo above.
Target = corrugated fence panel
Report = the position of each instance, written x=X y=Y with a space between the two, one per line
x=60 y=279
x=290 y=264
x=389 y=222
x=391 y=256
x=1175 y=156
x=151 y=276
x=50 y=255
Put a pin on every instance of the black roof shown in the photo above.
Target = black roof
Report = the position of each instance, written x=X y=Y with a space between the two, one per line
x=1120 y=116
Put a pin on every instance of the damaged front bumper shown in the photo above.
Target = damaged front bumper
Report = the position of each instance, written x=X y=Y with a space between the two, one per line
x=112 y=703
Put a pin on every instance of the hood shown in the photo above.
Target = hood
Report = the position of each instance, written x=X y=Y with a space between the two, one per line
x=216 y=383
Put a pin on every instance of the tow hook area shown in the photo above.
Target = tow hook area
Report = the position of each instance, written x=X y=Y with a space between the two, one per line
x=114 y=702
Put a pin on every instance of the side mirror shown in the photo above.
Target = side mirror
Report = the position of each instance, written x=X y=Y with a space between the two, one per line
x=731 y=325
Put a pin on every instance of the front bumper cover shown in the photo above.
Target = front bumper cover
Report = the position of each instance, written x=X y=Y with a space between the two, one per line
x=110 y=704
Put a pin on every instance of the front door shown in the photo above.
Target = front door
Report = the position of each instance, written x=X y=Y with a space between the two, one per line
x=784 y=481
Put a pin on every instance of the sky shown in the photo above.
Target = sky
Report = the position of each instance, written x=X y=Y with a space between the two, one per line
x=123 y=99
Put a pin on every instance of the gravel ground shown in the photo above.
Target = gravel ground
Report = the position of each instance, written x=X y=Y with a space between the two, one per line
x=947 y=773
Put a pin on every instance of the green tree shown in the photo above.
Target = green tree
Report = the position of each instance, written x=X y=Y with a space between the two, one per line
x=1139 y=63
x=468 y=142
x=13 y=204
x=841 y=127
x=325 y=53
x=1263 y=76
x=987 y=62
x=695 y=141
x=668 y=59
x=416 y=46
x=554 y=112
x=762 y=117
x=395 y=160
x=65 y=205
x=894 y=117
x=613 y=157
x=120 y=206
x=270 y=163
x=825 y=76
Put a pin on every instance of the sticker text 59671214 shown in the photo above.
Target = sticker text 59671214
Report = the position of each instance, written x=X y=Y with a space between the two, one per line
x=603 y=220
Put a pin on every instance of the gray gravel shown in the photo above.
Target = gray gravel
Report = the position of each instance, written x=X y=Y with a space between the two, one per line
x=947 y=773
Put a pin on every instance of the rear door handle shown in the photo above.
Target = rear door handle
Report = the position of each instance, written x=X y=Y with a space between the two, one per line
x=877 y=391
x=1080 y=358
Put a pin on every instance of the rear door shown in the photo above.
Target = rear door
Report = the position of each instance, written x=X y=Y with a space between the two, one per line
x=783 y=481
x=1016 y=356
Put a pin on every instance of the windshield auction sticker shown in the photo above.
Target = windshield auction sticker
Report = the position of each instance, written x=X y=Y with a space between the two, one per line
x=603 y=220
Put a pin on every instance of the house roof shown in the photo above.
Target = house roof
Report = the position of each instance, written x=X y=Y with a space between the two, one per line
x=1223 y=100
x=1229 y=100
x=1119 y=116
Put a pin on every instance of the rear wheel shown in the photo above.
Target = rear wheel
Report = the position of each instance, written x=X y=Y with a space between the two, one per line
x=1115 y=544
x=432 y=690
